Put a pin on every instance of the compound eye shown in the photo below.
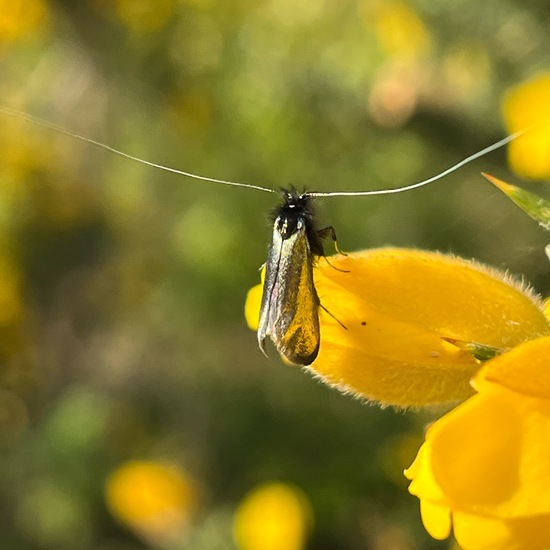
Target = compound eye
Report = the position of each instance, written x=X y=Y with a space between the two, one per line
x=286 y=226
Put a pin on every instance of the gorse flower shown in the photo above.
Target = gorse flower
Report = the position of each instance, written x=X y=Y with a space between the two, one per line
x=155 y=500
x=484 y=468
x=273 y=516
x=524 y=106
x=398 y=308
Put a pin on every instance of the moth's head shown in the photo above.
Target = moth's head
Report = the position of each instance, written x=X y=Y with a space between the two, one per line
x=294 y=211
x=296 y=202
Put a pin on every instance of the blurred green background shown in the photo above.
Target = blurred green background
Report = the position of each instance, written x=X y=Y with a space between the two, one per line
x=122 y=288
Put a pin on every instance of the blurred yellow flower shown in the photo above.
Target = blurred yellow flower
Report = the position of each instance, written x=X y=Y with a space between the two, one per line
x=524 y=106
x=20 y=18
x=155 y=500
x=274 y=516
x=398 y=306
x=22 y=153
x=400 y=29
x=484 y=468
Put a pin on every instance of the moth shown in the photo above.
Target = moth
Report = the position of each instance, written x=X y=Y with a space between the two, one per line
x=289 y=314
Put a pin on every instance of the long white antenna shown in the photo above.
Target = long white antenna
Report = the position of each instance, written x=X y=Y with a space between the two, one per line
x=40 y=122
x=458 y=165
x=55 y=128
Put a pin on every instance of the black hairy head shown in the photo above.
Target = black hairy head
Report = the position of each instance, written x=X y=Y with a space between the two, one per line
x=295 y=204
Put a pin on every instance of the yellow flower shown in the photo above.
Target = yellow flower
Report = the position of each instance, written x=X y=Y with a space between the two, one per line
x=524 y=106
x=273 y=516
x=21 y=18
x=400 y=29
x=398 y=306
x=154 y=499
x=484 y=470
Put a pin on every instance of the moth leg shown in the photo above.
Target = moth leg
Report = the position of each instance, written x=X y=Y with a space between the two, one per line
x=337 y=268
x=330 y=232
x=336 y=319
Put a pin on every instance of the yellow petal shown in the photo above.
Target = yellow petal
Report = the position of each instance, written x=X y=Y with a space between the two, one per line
x=491 y=454
x=436 y=519
x=397 y=306
x=252 y=306
x=434 y=506
x=524 y=369
x=449 y=295
x=476 y=532
x=486 y=462
x=524 y=106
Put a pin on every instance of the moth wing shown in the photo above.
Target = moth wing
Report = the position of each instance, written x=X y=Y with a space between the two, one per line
x=290 y=305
